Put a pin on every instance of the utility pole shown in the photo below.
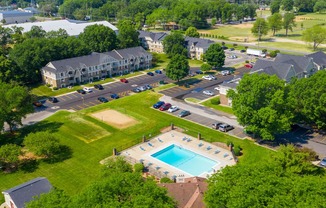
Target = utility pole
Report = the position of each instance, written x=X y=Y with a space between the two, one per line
x=259 y=33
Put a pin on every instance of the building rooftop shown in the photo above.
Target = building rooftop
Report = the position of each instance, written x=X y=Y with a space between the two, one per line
x=14 y=13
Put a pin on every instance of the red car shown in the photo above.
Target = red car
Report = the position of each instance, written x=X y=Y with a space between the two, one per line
x=248 y=65
x=124 y=80
x=165 y=106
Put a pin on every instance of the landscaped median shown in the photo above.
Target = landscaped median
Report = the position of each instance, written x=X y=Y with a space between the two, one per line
x=92 y=139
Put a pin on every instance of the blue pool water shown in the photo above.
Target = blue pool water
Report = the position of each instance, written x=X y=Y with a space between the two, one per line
x=185 y=160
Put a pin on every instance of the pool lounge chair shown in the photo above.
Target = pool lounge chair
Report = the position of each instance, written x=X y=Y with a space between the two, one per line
x=217 y=151
x=188 y=140
x=142 y=148
x=150 y=144
x=141 y=160
x=225 y=155
x=200 y=144
x=208 y=148
x=184 y=138
x=160 y=140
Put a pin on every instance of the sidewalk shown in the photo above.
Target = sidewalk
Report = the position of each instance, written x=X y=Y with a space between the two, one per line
x=203 y=111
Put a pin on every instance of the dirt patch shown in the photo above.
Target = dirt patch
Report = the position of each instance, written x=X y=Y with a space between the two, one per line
x=246 y=25
x=115 y=119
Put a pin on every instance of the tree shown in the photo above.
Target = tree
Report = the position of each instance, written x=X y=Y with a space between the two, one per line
x=177 y=68
x=304 y=5
x=5 y=36
x=320 y=6
x=99 y=38
x=275 y=6
x=15 y=104
x=214 y=21
x=55 y=198
x=308 y=97
x=275 y=22
x=170 y=41
x=315 y=34
x=35 y=32
x=128 y=35
x=61 y=33
x=261 y=105
x=9 y=155
x=205 y=67
x=192 y=32
x=259 y=28
x=287 y=5
x=288 y=22
x=264 y=184
x=215 y=55
x=42 y=144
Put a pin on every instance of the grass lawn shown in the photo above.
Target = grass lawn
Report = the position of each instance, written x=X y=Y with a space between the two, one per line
x=192 y=100
x=213 y=103
x=83 y=167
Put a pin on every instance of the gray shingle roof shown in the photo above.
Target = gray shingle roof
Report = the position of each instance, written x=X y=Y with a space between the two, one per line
x=127 y=53
x=25 y=192
x=14 y=13
x=299 y=63
x=198 y=42
x=271 y=67
x=154 y=36
x=318 y=57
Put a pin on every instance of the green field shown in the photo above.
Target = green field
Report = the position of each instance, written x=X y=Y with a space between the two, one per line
x=83 y=167
x=212 y=103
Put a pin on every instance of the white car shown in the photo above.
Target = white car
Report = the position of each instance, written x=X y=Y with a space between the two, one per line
x=173 y=108
x=225 y=72
x=208 y=92
x=217 y=88
x=87 y=89
x=209 y=77
x=232 y=57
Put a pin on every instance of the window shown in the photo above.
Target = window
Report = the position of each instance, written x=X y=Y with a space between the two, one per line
x=62 y=80
x=61 y=74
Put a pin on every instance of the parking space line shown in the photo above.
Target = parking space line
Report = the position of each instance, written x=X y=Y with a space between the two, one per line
x=62 y=98
x=74 y=95
x=74 y=109
x=93 y=103
x=81 y=107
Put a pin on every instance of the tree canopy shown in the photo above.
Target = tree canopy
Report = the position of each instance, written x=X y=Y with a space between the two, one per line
x=174 y=44
x=9 y=155
x=177 y=68
x=192 y=32
x=288 y=22
x=260 y=28
x=315 y=35
x=205 y=67
x=215 y=55
x=275 y=22
x=128 y=35
x=260 y=103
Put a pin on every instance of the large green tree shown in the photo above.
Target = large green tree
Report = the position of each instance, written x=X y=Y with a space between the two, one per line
x=177 y=68
x=288 y=22
x=173 y=41
x=192 y=32
x=215 y=55
x=261 y=105
x=128 y=35
x=304 y=5
x=264 y=184
x=320 y=6
x=15 y=104
x=205 y=67
x=315 y=35
x=9 y=155
x=275 y=22
x=259 y=28
x=42 y=144
x=275 y=6
x=35 y=32
x=99 y=38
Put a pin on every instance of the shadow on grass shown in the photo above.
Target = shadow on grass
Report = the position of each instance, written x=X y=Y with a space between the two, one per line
x=29 y=165
x=64 y=153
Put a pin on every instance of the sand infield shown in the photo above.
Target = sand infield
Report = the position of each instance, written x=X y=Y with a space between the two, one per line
x=115 y=118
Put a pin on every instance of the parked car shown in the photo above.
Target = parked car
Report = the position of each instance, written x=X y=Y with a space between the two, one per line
x=149 y=87
x=323 y=162
x=232 y=57
x=158 y=71
x=136 y=90
x=53 y=99
x=150 y=73
x=184 y=113
x=87 y=89
x=124 y=80
x=165 y=106
x=208 y=92
x=81 y=91
x=191 y=75
x=217 y=88
x=38 y=104
x=142 y=88
x=103 y=99
x=158 y=104
x=225 y=127
x=98 y=86
x=224 y=47
x=216 y=125
x=209 y=77
x=198 y=72
x=248 y=65
x=225 y=72
x=114 y=96
x=231 y=49
x=242 y=51
x=173 y=108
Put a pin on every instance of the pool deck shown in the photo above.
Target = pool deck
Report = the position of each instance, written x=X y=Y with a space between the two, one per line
x=142 y=153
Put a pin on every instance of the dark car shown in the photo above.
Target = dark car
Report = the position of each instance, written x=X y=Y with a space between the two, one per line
x=124 y=80
x=81 y=91
x=242 y=51
x=158 y=71
x=136 y=90
x=114 y=96
x=149 y=87
x=38 y=104
x=216 y=125
x=199 y=72
x=231 y=49
x=166 y=106
x=103 y=99
x=184 y=113
x=158 y=104
x=53 y=99
x=224 y=47
x=98 y=86
x=150 y=73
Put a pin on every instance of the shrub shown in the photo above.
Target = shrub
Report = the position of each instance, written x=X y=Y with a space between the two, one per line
x=215 y=101
x=237 y=150
x=166 y=180
x=228 y=143
x=264 y=50
x=55 y=88
x=138 y=167
x=247 y=61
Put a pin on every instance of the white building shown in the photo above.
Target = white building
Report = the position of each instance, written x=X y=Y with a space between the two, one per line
x=73 y=27
x=10 y=17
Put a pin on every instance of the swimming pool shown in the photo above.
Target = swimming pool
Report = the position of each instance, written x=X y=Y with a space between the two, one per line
x=185 y=160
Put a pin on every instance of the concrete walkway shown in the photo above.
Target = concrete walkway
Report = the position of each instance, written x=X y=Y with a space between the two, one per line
x=203 y=111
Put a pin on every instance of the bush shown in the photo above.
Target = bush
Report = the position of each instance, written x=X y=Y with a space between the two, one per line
x=166 y=180
x=274 y=53
x=138 y=167
x=215 y=101
x=237 y=150
x=247 y=61
x=264 y=50
x=228 y=143
x=55 y=88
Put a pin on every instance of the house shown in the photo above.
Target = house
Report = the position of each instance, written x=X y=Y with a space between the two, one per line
x=14 y=16
x=225 y=87
x=83 y=69
x=17 y=196
x=197 y=47
x=189 y=193
x=73 y=27
x=286 y=66
x=154 y=42
x=319 y=58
